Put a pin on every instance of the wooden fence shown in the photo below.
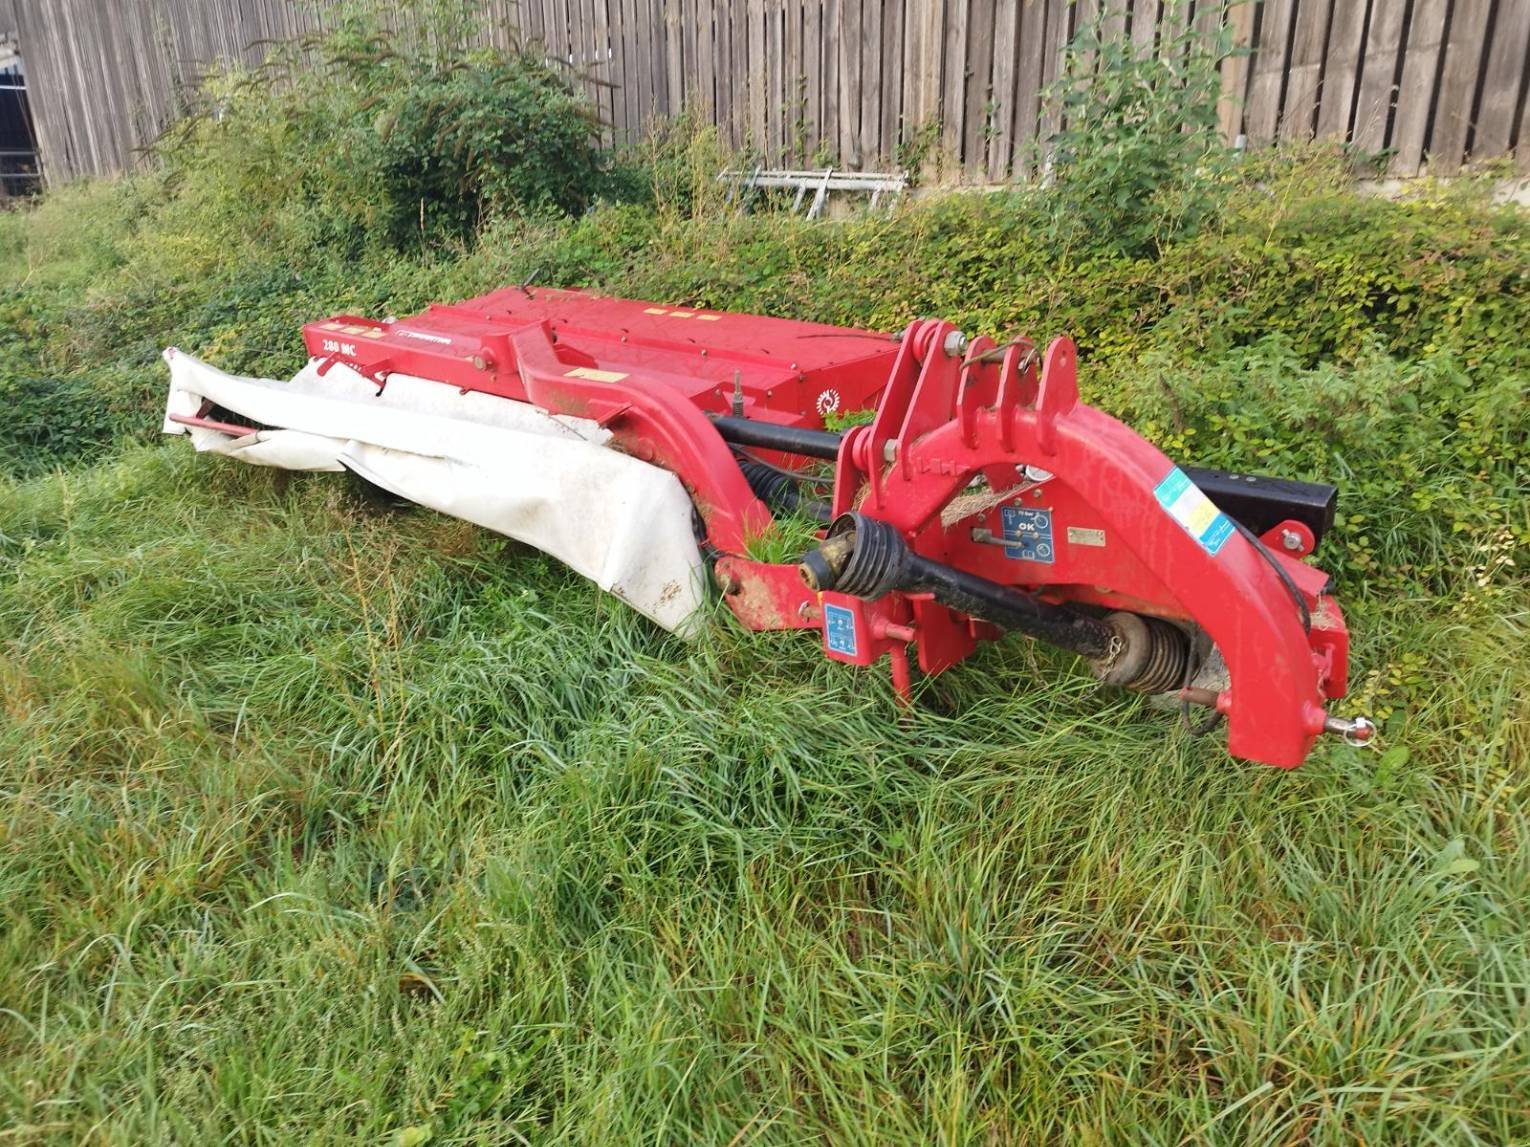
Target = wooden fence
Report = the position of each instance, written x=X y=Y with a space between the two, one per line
x=847 y=82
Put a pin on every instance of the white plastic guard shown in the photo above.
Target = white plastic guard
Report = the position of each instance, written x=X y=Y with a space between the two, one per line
x=546 y=480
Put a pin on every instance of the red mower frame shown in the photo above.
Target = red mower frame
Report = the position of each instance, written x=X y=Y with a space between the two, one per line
x=983 y=495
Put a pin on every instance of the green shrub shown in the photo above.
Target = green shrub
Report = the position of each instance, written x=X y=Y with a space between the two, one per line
x=470 y=144
x=364 y=137
x=1140 y=157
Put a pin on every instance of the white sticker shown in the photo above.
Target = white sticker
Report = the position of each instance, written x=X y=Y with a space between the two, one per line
x=594 y=375
x=1080 y=536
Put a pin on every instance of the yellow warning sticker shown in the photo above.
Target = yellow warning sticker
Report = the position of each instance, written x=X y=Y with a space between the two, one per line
x=1188 y=506
x=593 y=375
x=655 y=311
x=330 y=326
x=681 y=314
x=708 y=318
x=374 y=333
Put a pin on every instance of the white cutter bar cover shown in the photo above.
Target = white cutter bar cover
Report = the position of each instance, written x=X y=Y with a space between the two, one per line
x=549 y=481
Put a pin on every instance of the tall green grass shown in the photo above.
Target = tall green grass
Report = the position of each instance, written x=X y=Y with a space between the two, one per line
x=321 y=822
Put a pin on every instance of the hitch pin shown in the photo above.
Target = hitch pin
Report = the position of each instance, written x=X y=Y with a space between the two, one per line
x=1357 y=732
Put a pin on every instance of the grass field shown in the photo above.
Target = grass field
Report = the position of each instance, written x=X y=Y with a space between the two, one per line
x=321 y=821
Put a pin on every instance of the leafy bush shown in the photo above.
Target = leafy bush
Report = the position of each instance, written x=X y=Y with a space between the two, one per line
x=364 y=135
x=1139 y=160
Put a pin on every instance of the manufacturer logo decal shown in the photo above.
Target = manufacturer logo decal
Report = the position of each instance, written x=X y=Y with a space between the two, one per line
x=827 y=402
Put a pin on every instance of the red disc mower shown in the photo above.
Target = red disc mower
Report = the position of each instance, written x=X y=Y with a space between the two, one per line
x=981 y=497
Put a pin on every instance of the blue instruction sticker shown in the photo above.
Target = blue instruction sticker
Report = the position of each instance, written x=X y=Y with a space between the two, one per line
x=1028 y=534
x=839 y=630
x=1198 y=514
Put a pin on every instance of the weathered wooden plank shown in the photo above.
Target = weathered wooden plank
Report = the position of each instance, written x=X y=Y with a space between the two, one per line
x=1379 y=64
x=1304 y=70
x=1173 y=23
x=909 y=72
x=1036 y=17
x=848 y=44
x=954 y=81
x=551 y=25
x=1503 y=76
x=689 y=85
x=1145 y=17
x=1346 y=36
x=794 y=89
x=589 y=52
x=639 y=63
x=832 y=98
x=891 y=82
x=665 y=102
x=922 y=46
x=812 y=78
x=723 y=79
x=977 y=97
x=535 y=17
x=1421 y=60
x=1001 y=81
x=601 y=66
x=621 y=104
x=1523 y=150
x=706 y=59
x=757 y=75
x=774 y=126
x=1466 y=51
x=1060 y=27
x=1272 y=36
x=870 y=43
x=1115 y=19
x=1239 y=20
x=671 y=29
x=625 y=71
x=743 y=75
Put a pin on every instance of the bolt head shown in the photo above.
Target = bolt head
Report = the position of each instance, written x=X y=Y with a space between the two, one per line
x=1291 y=540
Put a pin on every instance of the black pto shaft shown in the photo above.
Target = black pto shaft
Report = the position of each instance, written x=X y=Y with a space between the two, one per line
x=868 y=558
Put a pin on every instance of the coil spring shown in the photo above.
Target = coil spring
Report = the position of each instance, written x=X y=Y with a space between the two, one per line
x=1168 y=658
